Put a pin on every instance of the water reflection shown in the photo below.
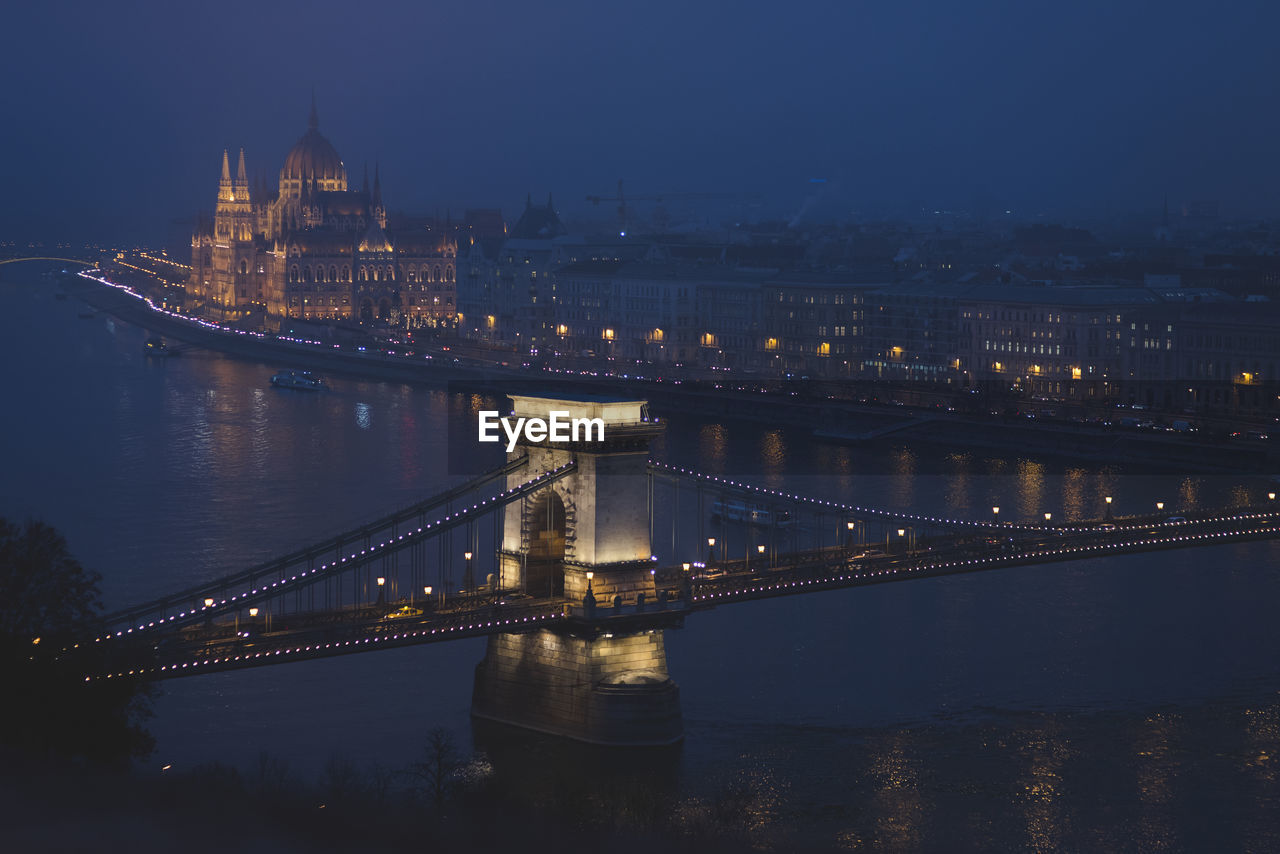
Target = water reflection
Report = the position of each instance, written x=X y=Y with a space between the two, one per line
x=1189 y=493
x=713 y=447
x=1157 y=768
x=1074 y=484
x=363 y=419
x=897 y=802
x=902 y=485
x=1044 y=752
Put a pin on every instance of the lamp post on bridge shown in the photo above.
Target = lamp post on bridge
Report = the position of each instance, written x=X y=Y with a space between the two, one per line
x=468 y=574
x=711 y=552
x=1108 y=509
x=760 y=551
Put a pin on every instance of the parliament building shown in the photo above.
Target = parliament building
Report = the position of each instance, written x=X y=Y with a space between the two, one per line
x=312 y=248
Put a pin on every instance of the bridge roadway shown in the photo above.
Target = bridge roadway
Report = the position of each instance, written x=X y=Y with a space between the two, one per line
x=216 y=646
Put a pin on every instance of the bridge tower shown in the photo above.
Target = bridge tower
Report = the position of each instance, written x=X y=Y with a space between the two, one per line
x=585 y=537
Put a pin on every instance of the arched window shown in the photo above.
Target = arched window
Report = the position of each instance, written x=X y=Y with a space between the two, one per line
x=377 y=274
x=346 y=274
x=293 y=273
x=333 y=273
x=364 y=274
x=448 y=274
x=244 y=266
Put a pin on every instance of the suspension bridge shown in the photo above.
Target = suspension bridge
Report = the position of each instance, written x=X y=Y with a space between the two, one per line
x=572 y=559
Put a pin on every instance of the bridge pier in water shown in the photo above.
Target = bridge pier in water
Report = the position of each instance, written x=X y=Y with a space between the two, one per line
x=600 y=677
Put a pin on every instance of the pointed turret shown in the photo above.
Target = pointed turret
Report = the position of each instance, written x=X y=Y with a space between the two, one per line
x=242 y=180
x=224 y=183
x=379 y=212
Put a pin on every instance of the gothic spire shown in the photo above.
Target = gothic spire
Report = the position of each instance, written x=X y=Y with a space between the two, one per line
x=226 y=167
x=242 y=178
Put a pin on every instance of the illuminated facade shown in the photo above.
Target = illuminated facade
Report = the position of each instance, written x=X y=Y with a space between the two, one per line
x=313 y=248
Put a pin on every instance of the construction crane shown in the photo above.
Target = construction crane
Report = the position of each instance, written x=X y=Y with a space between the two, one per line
x=622 y=199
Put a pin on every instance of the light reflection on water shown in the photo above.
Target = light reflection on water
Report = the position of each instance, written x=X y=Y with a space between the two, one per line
x=1014 y=705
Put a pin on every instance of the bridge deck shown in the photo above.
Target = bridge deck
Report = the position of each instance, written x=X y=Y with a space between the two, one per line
x=216 y=646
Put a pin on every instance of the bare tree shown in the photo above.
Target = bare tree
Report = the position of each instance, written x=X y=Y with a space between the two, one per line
x=440 y=761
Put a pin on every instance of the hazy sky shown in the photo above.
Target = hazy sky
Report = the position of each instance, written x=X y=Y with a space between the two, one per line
x=115 y=115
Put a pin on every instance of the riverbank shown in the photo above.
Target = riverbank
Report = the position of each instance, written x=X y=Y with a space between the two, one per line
x=838 y=421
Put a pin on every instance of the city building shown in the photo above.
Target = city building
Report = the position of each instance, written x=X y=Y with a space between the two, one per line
x=313 y=248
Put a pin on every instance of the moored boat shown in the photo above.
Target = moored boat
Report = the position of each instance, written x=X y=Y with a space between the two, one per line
x=155 y=346
x=739 y=511
x=302 y=380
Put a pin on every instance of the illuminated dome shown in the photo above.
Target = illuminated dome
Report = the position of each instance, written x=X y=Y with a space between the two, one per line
x=315 y=157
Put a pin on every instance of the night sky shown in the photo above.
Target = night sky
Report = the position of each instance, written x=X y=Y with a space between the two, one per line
x=115 y=115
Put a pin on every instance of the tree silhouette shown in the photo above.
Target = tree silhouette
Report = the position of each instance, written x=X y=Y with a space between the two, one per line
x=48 y=604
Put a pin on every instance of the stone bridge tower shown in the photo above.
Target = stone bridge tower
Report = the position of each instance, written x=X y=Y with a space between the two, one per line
x=596 y=678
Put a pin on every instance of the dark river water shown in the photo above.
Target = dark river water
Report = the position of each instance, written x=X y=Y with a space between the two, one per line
x=1119 y=703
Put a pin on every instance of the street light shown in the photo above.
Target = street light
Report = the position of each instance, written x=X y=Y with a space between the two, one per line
x=996 y=512
x=468 y=577
x=1048 y=516
x=711 y=550
x=1159 y=505
x=208 y=602
x=1271 y=496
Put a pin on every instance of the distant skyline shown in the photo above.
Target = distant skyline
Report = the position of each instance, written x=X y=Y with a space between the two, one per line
x=116 y=118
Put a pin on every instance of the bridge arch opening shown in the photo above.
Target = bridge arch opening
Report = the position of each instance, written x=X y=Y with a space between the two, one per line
x=548 y=536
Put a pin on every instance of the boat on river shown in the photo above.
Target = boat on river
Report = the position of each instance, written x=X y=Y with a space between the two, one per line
x=301 y=380
x=752 y=514
x=155 y=346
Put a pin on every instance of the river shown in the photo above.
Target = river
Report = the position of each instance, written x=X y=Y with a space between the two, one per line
x=1118 y=702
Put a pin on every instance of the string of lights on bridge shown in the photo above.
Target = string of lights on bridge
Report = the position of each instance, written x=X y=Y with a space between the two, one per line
x=891 y=514
x=514 y=622
x=211 y=605
x=726 y=596
x=1096 y=548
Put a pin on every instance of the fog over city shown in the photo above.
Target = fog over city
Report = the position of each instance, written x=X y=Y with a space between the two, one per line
x=118 y=115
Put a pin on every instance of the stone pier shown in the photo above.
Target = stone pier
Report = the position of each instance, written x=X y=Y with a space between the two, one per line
x=596 y=678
